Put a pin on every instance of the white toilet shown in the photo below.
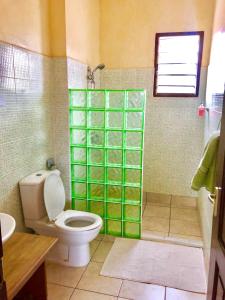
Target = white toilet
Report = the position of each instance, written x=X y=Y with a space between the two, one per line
x=43 y=201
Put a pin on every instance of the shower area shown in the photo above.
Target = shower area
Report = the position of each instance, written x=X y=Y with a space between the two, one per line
x=106 y=147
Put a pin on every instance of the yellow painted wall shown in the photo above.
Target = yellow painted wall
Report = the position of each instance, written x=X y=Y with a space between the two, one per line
x=82 y=30
x=128 y=28
x=25 y=23
x=57 y=27
x=219 y=20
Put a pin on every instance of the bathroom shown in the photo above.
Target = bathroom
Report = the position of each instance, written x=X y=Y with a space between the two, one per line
x=46 y=47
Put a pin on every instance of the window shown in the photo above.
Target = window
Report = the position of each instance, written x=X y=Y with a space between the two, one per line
x=178 y=58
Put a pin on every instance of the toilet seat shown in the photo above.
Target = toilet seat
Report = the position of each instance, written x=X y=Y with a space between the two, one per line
x=70 y=215
x=54 y=198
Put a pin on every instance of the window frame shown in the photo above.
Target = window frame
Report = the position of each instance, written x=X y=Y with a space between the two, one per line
x=185 y=33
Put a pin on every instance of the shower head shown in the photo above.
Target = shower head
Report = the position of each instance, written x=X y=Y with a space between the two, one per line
x=100 y=67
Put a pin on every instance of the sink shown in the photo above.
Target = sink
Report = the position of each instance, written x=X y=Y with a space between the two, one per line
x=8 y=225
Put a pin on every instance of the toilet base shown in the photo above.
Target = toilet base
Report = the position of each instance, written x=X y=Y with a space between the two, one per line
x=79 y=256
x=71 y=256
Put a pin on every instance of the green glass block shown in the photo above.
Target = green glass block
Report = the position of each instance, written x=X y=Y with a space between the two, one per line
x=114 y=210
x=114 y=157
x=96 y=191
x=133 y=158
x=96 y=138
x=135 y=100
x=79 y=190
x=133 y=176
x=96 y=99
x=78 y=155
x=132 y=230
x=78 y=98
x=81 y=205
x=114 y=227
x=96 y=156
x=79 y=172
x=116 y=100
x=78 y=118
x=114 y=193
x=96 y=119
x=103 y=229
x=96 y=173
x=114 y=119
x=97 y=207
x=132 y=194
x=134 y=120
x=106 y=142
x=114 y=138
x=78 y=137
x=132 y=212
x=114 y=175
x=133 y=139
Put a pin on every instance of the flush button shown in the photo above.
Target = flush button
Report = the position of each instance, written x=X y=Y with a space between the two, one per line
x=38 y=174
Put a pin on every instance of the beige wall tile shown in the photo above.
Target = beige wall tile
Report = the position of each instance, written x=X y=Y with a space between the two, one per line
x=57 y=292
x=142 y=291
x=174 y=294
x=186 y=214
x=181 y=201
x=102 y=251
x=63 y=275
x=85 y=295
x=92 y=281
x=157 y=211
x=158 y=199
x=185 y=228
x=155 y=224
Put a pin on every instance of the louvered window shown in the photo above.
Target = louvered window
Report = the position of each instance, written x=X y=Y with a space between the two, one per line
x=178 y=58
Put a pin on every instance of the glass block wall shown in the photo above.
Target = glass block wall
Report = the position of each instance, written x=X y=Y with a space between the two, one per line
x=106 y=138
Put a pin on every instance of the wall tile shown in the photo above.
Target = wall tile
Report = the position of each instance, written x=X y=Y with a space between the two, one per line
x=173 y=132
x=26 y=135
x=6 y=60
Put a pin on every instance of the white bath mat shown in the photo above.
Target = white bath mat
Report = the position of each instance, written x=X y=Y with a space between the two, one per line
x=164 y=264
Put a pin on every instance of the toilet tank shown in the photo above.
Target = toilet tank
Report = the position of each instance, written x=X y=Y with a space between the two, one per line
x=32 y=194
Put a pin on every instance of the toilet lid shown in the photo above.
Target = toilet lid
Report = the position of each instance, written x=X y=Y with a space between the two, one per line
x=54 y=196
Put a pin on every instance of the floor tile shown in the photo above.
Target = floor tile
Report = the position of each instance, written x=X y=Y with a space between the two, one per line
x=138 y=290
x=100 y=237
x=155 y=224
x=58 y=292
x=157 y=211
x=152 y=235
x=63 y=275
x=109 y=238
x=181 y=201
x=185 y=237
x=186 y=214
x=92 y=281
x=86 y=295
x=174 y=294
x=102 y=251
x=93 y=246
x=184 y=228
x=159 y=199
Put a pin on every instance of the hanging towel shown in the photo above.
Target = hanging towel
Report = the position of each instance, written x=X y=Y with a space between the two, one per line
x=205 y=174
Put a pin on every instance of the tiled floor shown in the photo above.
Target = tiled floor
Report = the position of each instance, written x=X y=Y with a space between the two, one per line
x=66 y=283
x=172 y=219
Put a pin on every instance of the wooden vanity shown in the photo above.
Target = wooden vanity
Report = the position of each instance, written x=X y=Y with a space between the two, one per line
x=23 y=266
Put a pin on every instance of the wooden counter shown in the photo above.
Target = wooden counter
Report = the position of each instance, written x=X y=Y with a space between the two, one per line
x=23 y=264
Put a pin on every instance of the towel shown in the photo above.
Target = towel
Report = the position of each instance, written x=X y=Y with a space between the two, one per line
x=206 y=173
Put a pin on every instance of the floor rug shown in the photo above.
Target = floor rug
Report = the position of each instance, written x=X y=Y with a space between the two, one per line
x=164 y=264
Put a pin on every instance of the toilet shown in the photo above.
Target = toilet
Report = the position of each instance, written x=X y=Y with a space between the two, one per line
x=43 y=202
